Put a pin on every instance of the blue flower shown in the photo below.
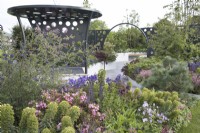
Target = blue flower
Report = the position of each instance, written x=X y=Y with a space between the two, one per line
x=118 y=78
x=108 y=80
x=92 y=78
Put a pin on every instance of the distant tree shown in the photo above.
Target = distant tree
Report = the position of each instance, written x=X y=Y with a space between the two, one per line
x=98 y=25
x=131 y=17
x=185 y=14
x=127 y=39
x=168 y=40
x=181 y=11
x=86 y=4
x=17 y=35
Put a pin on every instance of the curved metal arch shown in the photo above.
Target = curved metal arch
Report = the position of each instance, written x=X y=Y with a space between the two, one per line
x=131 y=25
x=1 y=27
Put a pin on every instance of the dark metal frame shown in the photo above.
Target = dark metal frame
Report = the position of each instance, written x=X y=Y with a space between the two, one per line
x=1 y=27
x=68 y=20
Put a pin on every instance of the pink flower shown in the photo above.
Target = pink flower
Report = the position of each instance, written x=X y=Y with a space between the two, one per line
x=85 y=128
x=37 y=112
x=68 y=98
x=83 y=97
x=145 y=73
x=102 y=117
x=41 y=105
x=196 y=80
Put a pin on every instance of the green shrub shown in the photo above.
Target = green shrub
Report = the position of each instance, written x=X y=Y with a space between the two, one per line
x=46 y=130
x=63 y=110
x=145 y=109
x=164 y=103
x=6 y=118
x=68 y=130
x=28 y=122
x=48 y=120
x=74 y=113
x=133 y=68
x=32 y=124
x=66 y=122
x=171 y=75
x=120 y=115
x=193 y=126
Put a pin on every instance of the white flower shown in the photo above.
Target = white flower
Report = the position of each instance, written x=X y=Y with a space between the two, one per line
x=144 y=119
x=143 y=113
x=145 y=104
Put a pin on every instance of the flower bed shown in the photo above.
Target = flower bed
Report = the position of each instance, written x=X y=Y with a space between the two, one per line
x=80 y=107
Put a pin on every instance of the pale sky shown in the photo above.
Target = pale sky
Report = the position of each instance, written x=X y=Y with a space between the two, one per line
x=113 y=10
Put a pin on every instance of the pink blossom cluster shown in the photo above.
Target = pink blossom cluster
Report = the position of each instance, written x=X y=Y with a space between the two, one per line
x=85 y=128
x=94 y=108
x=68 y=98
x=40 y=106
x=83 y=97
x=145 y=73
x=51 y=95
x=46 y=95
x=196 y=80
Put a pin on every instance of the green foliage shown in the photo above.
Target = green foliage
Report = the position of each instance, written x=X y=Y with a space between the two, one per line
x=46 y=130
x=63 y=110
x=118 y=119
x=127 y=39
x=133 y=68
x=74 y=113
x=32 y=124
x=28 y=122
x=169 y=76
x=6 y=118
x=66 y=122
x=168 y=40
x=193 y=126
x=98 y=25
x=68 y=130
x=48 y=120
x=17 y=36
x=164 y=103
x=101 y=82
x=26 y=72
x=152 y=111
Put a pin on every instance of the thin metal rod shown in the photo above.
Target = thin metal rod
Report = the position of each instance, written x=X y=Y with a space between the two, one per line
x=86 y=44
x=23 y=34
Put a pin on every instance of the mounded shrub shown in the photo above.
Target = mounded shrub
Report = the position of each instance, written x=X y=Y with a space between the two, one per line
x=68 y=130
x=28 y=122
x=66 y=122
x=74 y=113
x=32 y=124
x=193 y=126
x=6 y=118
x=63 y=110
x=48 y=120
x=171 y=75
x=46 y=130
